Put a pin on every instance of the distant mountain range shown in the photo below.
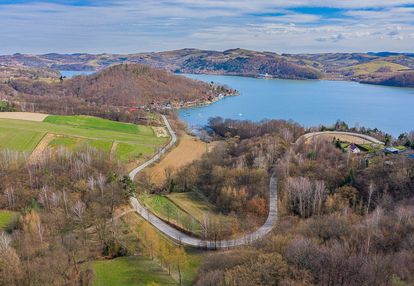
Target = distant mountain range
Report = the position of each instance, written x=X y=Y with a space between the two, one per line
x=386 y=68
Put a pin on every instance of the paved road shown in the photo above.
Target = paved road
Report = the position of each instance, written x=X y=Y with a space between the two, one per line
x=362 y=136
x=139 y=169
x=196 y=242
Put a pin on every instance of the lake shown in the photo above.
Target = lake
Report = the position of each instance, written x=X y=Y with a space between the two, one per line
x=70 y=74
x=310 y=103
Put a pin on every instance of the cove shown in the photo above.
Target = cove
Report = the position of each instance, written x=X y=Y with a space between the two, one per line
x=309 y=102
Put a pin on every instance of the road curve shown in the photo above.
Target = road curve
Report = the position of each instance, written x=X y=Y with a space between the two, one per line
x=362 y=136
x=188 y=240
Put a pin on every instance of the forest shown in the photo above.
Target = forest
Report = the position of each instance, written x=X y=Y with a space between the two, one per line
x=343 y=220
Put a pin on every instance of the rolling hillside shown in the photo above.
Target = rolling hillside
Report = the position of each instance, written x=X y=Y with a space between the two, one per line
x=122 y=93
x=343 y=66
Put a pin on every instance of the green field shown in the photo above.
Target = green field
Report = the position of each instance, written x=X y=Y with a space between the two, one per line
x=374 y=66
x=167 y=210
x=22 y=140
x=89 y=122
x=131 y=152
x=72 y=132
x=5 y=218
x=129 y=271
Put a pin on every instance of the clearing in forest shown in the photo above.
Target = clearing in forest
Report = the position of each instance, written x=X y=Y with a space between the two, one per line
x=130 y=271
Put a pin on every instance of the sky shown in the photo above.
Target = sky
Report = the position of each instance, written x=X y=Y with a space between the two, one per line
x=282 y=26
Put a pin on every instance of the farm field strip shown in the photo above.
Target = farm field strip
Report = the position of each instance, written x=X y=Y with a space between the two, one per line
x=132 y=141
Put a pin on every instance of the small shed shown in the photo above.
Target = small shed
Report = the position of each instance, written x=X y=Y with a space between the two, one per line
x=354 y=149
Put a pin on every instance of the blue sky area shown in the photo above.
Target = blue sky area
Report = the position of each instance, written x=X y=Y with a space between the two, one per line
x=284 y=26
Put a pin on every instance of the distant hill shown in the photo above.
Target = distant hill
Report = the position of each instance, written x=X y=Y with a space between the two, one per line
x=337 y=66
x=14 y=72
x=402 y=79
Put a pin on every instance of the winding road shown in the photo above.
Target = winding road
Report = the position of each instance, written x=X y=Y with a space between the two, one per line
x=368 y=138
x=188 y=240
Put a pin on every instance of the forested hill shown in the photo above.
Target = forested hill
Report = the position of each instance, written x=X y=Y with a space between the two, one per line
x=377 y=68
x=120 y=87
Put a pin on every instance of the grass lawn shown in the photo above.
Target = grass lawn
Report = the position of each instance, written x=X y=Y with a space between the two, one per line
x=167 y=210
x=129 y=271
x=134 y=141
x=5 y=218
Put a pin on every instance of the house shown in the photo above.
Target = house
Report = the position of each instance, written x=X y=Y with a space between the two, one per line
x=354 y=149
x=392 y=150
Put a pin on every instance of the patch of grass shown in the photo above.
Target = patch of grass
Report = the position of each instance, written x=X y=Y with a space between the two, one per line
x=19 y=140
x=6 y=217
x=130 y=152
x=65 y=141
x=197 y=206
x=73 y=143
x=368 y=148
x=193 y=203
x=104 y=146
x=89 y=122
x=344 y=145
x=129 y=271
x=167 y=210
x=401 y=148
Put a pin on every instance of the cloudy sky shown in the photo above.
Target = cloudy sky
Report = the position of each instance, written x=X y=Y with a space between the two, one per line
x=126 y=26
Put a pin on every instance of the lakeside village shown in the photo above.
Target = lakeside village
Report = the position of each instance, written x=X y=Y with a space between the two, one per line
x=217 y=93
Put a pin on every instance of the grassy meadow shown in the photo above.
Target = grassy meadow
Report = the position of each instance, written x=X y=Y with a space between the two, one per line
x=130 y=271
x=72 y=132
x=169 y=211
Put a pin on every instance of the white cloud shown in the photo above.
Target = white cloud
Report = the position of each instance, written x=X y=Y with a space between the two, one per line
x=133 y=26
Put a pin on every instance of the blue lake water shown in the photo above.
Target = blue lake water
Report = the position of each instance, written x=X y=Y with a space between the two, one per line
x=70 y=74
x=309 y=103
